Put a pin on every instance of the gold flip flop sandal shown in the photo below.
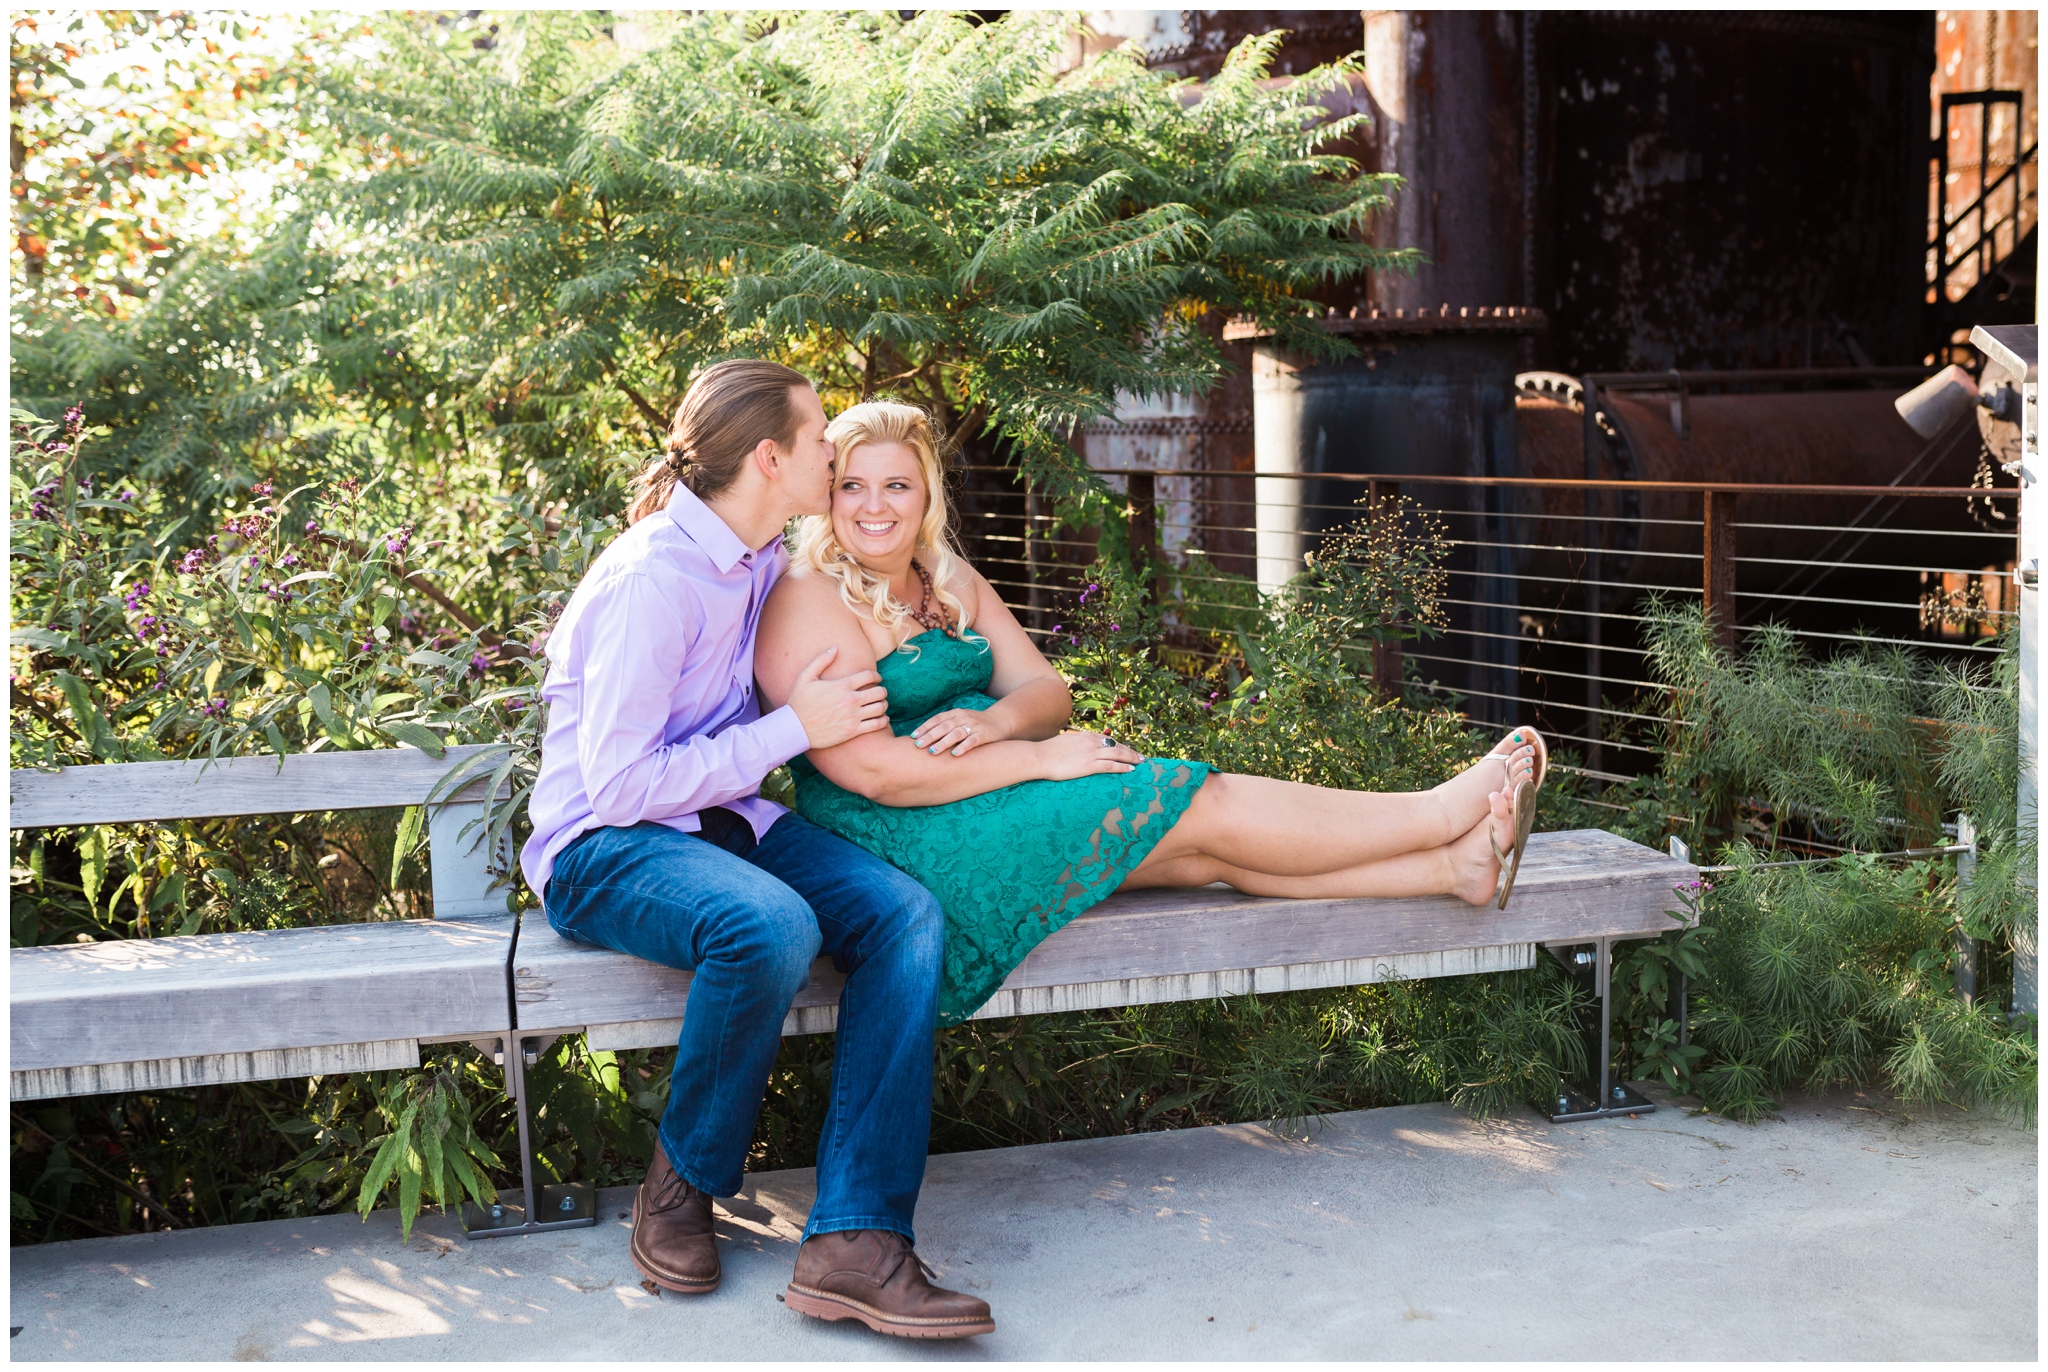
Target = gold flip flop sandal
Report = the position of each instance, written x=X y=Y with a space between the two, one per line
x=1523 y=802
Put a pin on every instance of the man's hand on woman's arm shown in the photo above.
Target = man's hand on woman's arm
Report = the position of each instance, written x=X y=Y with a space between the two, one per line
x=835 y=709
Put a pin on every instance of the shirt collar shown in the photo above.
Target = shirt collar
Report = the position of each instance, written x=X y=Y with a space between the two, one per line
x=704 y=528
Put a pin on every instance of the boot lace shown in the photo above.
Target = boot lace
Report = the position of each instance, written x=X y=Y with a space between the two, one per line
x=904 y=1250
x=670 y=1193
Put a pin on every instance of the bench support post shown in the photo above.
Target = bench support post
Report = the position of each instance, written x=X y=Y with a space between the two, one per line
x=532 y=1209
x=1599 y=1095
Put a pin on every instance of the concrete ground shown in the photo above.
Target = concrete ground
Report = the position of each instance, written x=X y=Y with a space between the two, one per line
x=1848 y=1228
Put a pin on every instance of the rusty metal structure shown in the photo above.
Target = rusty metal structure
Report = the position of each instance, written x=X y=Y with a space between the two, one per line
x=1735 y=189
x=1741 y=234
x=1984 y=196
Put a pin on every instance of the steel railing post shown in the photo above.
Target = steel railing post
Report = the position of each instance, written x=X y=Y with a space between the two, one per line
x=1143 y=507
x=1717 y=565
x=1966 y=875
x=1590 y=409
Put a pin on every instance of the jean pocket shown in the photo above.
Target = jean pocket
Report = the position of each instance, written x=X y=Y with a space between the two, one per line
x=563 y=895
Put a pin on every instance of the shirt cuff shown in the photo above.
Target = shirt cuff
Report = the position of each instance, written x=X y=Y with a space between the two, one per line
x=784 y=735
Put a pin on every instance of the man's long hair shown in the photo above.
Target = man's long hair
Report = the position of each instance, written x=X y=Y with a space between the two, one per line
x=725 y=414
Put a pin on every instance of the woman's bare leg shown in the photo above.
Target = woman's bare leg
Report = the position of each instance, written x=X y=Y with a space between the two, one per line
x=1464 y=868
x=1284 y=828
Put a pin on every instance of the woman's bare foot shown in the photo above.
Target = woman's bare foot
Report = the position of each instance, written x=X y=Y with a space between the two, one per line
x=1520 y=742
x=1524 y=740
x=1475 y=873
x=1460 y=797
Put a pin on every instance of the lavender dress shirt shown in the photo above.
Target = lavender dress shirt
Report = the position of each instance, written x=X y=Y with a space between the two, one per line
x=652 y=712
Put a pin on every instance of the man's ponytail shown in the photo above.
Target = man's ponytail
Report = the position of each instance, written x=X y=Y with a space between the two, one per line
x=727 y=411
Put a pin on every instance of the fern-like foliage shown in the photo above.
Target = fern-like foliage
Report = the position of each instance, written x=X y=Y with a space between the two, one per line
x=927 y=207
x=1848 y=742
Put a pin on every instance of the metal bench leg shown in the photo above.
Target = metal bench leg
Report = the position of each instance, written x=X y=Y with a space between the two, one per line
x=566 y=1205
x=1599 y=1096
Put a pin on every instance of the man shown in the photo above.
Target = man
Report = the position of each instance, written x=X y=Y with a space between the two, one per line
x=650 y=837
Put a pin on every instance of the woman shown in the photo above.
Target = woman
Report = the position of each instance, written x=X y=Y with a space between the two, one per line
x=1018 y=824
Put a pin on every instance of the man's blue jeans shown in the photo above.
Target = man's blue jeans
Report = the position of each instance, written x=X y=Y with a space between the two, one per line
x=747 y=920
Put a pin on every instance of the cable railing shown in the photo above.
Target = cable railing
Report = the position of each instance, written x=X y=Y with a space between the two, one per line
x=1544 y=608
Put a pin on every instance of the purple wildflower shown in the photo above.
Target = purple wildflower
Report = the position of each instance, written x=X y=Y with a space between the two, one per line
x=261 y=488
x=74 y=419
x=478 y=664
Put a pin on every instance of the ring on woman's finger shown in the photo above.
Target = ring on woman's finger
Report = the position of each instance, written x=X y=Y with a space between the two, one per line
x=1108 y=742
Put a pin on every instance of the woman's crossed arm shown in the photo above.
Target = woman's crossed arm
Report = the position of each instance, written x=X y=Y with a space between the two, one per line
x=804 y=616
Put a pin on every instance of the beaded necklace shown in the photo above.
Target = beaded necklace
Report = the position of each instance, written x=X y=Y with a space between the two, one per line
x=925 y=614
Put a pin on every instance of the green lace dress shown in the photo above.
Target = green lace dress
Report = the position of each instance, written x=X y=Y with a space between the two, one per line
x=1010 y=866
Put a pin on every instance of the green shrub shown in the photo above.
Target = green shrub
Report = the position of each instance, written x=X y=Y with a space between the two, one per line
x=1814 y=975
x=1820 y=976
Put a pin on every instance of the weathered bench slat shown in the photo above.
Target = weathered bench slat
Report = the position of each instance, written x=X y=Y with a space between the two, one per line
x=147 y=792
x=817 y=1008
x=139 y=792
x=159 y=1000
x=1153 y=946
x=214 y=1069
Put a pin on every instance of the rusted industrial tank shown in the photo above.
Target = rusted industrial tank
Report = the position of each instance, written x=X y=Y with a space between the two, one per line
x=1427 y=393
x=1783 y=437
x=1733 y=188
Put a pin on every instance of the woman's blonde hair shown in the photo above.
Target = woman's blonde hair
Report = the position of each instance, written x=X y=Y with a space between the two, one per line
x=887 y=421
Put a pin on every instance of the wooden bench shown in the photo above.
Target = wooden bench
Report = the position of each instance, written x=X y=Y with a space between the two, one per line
x=1579 y=893
x=148 y=1014
x=166 y=1012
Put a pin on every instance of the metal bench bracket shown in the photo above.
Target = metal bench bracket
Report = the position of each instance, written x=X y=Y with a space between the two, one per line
x=1599 y=1096
x=531 y=1209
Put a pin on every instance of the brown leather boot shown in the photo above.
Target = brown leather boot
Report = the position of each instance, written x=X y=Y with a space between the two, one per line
x=673 y=1245
x=874 y=1276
